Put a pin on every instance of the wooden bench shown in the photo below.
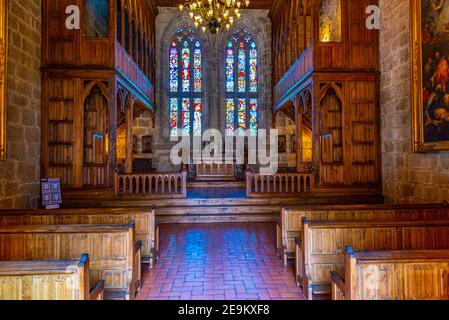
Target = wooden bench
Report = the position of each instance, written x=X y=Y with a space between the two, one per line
x=144 y=218
x=114 y=253
x=320 y=250
x=289 y=226
x=48 y=280
x=393 y=275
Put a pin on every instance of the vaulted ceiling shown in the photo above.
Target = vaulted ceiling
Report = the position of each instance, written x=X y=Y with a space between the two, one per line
x=254 y=4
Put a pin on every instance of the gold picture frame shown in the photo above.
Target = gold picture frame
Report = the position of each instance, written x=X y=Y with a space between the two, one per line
x=419 y=91
x=3 y=75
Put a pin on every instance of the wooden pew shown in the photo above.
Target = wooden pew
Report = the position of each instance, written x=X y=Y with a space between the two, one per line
x=146 y=227
x=289 y=226
x=115 y=255
x=320 y=250
x=393 y=275
x=48 y=280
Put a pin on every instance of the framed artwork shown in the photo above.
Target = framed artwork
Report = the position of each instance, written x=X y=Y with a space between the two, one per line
x=430 y=74
x=3 y=75
x=282 y=144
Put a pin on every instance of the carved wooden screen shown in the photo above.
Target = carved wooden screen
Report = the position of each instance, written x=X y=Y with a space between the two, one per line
x=331 y=128
x=95 y=139
x=3 y=76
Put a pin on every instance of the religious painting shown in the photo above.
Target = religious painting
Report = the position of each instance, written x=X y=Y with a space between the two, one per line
x=3 y=76
x=430 y=74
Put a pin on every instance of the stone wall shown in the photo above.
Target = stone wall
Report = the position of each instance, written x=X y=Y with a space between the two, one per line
x=20 y=174
x=407 y=177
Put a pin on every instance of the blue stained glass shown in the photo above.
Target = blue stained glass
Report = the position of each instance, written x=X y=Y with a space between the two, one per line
x=253 y=80
x=253 y=106
x=230 y=116
x=241 y=113
x=174 y=79
x=174 y=116
x=186 y=116
x=197 y=116
x=230 y=61
x=197 y=69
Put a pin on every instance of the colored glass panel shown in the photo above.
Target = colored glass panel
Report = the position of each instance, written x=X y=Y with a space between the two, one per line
x=253 y=106
x=241 y=79
x=253 y=68
x=241 y=114
x=185 y=116
x=197 y=116
x=198 y=72
x=186 y=67
x=230 y=61
x=230 y=116
x=174 y=116
x=174 y=80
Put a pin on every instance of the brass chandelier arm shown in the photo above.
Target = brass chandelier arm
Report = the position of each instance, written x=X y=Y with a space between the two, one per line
x=214 y=14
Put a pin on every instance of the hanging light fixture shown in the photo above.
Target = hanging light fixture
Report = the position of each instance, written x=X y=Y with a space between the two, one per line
x=214 y=14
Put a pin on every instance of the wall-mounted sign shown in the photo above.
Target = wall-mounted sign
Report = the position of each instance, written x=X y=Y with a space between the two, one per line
x=51 y=193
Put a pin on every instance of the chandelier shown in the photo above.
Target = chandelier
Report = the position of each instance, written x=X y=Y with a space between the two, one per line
x=214 y=14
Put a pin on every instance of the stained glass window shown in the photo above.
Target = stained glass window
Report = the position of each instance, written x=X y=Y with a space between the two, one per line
x=174 y=116
x=174 y=76
x=253 y=106
x=186 y=83
x=185 y=67
x=186 y=116
x=241 y=115
x=242 y=68
x=198 y=72
x=230 y=116
x=230 y=60
x=253 y=68
x=197 y=116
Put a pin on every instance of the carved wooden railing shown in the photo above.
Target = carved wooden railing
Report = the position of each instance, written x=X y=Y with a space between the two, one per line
x=152 y=185
x=297 y=71
x=278 y=185
x=125 y=63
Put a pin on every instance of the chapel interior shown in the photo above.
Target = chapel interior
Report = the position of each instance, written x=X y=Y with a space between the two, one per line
x=98 y=201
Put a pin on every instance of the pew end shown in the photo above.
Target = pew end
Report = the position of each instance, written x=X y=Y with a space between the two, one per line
x=338 y=287
x=97 y=292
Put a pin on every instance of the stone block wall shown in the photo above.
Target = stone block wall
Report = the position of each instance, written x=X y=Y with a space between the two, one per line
x=407 y=176
x=20 y=174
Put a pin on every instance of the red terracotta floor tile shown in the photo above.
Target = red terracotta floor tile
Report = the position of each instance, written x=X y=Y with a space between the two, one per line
x=219 y=262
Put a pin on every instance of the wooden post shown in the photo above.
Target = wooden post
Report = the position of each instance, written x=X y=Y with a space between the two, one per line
x=129 y=134
x=298 y=127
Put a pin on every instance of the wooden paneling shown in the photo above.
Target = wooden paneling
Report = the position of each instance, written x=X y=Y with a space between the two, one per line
x=75 y=64
x=48 y=280
x=321 y=247
x=112 y=249
x=291 y=218
x=144 y=219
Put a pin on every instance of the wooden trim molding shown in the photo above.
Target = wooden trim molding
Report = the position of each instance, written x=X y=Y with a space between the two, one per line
x=416 y=50
x=3 y=75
